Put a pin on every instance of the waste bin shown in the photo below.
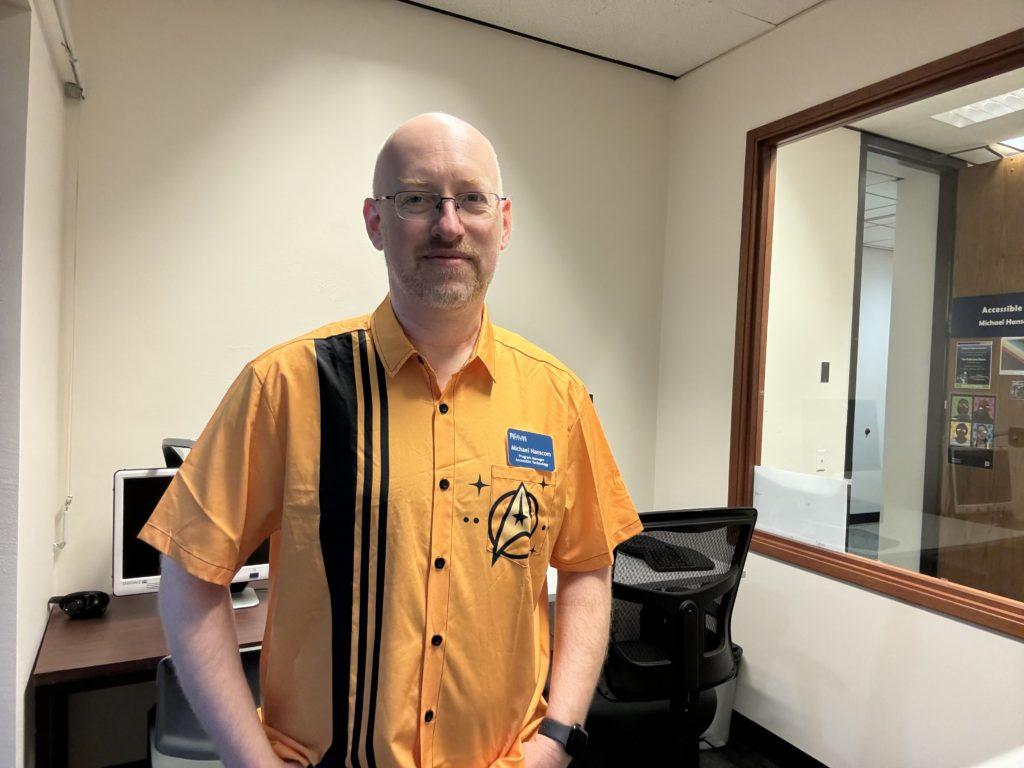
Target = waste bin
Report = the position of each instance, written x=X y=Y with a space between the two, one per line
x=717 y=734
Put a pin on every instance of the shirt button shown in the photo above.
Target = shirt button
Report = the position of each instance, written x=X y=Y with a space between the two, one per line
x=436 y=640
x=444 y=484
x=443 y=408
x=429 y=716
x=439 y=563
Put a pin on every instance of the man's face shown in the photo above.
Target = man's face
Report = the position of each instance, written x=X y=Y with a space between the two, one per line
x=961 y=432
x=448 y=260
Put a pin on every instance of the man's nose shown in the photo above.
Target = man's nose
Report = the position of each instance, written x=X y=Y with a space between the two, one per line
x=448 y=223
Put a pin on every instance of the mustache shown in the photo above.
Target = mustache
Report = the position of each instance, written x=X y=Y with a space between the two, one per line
x=431 y=248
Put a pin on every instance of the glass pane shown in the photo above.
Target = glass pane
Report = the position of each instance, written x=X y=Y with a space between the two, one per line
x=893 y=390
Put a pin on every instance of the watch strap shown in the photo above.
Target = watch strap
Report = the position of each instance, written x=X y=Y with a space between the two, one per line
x=572 y=737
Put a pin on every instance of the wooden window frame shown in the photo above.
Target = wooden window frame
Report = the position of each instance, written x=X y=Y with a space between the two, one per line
x=977 y=63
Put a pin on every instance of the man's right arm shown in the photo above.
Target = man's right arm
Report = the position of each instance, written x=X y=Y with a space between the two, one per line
x=199 y=625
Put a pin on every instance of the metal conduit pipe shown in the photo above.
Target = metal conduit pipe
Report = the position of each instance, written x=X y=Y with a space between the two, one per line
x=73 y=90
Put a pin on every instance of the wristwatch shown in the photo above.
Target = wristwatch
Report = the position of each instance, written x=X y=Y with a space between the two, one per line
x=572 y=737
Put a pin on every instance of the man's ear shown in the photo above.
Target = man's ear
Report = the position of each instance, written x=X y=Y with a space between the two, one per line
x=371 y=217
x=506 y=222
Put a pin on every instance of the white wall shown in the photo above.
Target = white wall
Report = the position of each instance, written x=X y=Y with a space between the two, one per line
x=950 y=693
x=14 y=62
x=905 y=447
x=49 y=189
x=855 y=679
x=225 y=152
x=872 y=372
x=810 y=309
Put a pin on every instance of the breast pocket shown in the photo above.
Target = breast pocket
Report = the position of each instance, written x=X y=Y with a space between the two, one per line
x=523 y=508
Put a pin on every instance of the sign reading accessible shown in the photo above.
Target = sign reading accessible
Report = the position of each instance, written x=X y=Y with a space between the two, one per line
x=529 y=449
x=983 y=316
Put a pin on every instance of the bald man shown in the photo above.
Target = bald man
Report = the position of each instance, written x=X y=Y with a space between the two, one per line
x=417 y=470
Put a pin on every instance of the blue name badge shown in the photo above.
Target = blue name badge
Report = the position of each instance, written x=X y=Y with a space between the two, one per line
x=528 y=449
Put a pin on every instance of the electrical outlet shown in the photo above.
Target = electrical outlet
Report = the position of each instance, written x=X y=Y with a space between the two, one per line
x=820 y=460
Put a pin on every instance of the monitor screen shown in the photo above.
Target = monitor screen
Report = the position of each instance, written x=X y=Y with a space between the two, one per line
x=136 y=494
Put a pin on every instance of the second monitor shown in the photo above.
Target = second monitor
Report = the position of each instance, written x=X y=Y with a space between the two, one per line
x=137 y=564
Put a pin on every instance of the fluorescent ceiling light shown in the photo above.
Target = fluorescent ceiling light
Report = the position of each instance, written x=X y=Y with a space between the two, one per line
x=1004 y=150
x=1017 y=143
x=978 y=156
x=983 y=110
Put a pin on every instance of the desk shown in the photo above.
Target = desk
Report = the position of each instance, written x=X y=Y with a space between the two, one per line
x=122 y=647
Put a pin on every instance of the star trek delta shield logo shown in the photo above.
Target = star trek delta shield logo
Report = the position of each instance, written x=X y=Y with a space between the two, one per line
x=513 y=518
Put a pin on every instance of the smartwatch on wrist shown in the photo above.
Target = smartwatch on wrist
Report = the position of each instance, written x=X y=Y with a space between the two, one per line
x=572 y=737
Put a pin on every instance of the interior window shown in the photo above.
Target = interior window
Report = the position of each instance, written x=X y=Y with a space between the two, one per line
x=893 y=386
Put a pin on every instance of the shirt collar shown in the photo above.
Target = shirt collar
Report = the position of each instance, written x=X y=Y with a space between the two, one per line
x=395 y=348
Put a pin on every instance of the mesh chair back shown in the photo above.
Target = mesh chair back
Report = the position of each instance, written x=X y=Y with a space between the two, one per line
x=694 y=555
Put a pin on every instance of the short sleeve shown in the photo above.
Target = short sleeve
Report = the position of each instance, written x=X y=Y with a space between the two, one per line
x=599 y=514
x=226 y=498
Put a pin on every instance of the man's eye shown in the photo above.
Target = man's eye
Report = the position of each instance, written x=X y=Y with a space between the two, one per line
x=474 y=197
x=414 y=199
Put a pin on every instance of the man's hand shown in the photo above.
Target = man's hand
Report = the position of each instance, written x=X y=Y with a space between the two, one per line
x=542 y=752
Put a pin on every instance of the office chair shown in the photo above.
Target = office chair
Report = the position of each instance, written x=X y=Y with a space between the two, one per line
x=673 y=590
x=176 y=739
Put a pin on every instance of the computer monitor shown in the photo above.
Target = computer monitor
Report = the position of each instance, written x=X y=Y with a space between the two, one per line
x=136 y=563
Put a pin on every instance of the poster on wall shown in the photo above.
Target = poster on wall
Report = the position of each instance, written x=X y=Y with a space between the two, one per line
x=1011 y=355
x=960 y=434
x=973 y=365
x=972 y=430
x=999 y=314
x=971 y=457
x=1017 y=390
x=960 y=407
x=982 y=435
x=984 y=410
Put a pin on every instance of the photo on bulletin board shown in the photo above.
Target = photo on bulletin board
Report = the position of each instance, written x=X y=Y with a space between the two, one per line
x=960 y=434
x=1011 y=355
x=973 y=365
x=960 y=407
x=982 y=435
x=984 y=410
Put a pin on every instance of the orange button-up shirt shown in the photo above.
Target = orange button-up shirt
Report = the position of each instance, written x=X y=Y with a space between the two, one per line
x=407 y=622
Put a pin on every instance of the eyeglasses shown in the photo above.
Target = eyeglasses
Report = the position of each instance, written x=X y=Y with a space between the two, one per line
x=423 y=206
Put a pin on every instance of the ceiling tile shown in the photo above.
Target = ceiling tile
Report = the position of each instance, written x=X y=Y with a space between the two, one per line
x=772 y=11
x=668 y=36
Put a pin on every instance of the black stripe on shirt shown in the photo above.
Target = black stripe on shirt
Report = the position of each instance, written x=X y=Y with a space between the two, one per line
x=364 y=544
x=382 y=535
x=338 y=457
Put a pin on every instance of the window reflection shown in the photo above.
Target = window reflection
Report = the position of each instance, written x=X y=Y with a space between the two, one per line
x=893 y=393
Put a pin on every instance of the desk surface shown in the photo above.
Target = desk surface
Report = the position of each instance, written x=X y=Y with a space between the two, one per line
x=128 y=638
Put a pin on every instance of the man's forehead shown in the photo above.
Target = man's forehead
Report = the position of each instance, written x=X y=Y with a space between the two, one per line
x=420 y=157
x=437 y=148
x=428 y=179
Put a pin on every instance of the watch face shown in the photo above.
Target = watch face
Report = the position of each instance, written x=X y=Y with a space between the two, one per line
x=576 y=744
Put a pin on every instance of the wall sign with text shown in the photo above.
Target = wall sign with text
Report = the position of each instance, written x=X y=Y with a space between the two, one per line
x=1001 y=314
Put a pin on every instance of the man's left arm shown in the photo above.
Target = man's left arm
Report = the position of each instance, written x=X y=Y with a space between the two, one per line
x=582 y=613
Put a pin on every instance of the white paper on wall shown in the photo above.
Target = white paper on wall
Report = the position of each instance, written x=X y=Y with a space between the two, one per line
x=808 y=508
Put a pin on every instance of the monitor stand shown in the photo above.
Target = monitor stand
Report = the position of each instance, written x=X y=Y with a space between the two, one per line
x=243 y=596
